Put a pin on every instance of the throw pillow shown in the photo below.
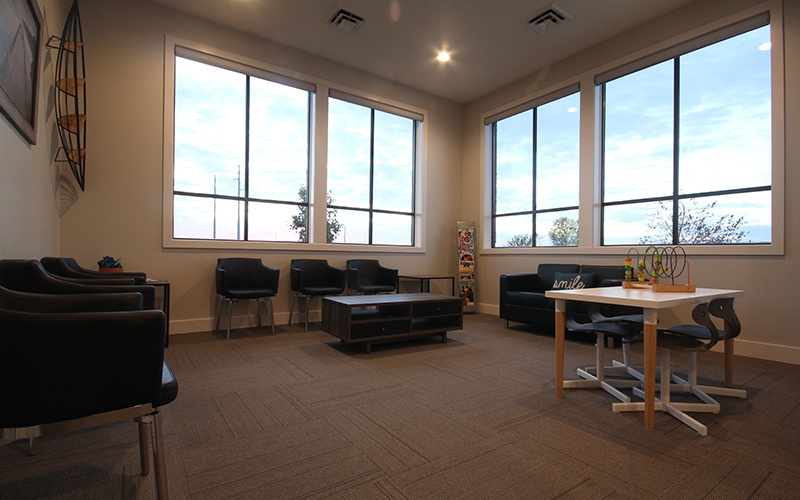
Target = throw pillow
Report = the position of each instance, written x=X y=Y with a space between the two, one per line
x=571 y=281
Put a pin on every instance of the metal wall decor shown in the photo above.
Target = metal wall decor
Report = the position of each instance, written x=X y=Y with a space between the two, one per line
x=70 y=95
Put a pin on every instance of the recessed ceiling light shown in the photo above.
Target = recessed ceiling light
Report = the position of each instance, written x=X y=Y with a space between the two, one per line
x=572 y=109
x=765 y=46
x=443 y=56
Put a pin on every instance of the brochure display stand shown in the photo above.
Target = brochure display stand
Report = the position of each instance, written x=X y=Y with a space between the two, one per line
x=466 y=264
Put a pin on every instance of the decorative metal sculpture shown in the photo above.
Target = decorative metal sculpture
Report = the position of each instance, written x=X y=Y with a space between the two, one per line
x=70 y=95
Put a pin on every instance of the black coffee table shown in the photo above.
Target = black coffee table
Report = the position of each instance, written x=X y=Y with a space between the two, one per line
x=384 y=318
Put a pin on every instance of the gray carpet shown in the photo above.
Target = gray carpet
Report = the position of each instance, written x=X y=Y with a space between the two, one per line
x=301 y=415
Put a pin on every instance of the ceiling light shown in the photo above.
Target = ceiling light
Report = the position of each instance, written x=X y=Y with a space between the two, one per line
x=765 y=46
x=443 y=56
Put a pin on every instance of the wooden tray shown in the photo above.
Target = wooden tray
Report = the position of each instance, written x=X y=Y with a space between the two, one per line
x=659 y=287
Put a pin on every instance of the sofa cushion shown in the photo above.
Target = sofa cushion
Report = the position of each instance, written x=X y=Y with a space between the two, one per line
x=547 y=272
x=605 y=275
x=570 y=281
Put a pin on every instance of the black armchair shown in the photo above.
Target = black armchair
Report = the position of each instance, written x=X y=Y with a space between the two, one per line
x=245 y=279
x=314 y=278
x=66 y=371
x=69 y=268
x=368 y=277
x=30 y=276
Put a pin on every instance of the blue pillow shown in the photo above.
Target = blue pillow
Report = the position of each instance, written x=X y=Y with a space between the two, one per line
x=572 y=281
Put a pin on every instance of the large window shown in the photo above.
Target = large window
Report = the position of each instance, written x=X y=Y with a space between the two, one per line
x=536 y=172
x=241 y=155
x=371 y=174
x=687 y=147
x=264 y=158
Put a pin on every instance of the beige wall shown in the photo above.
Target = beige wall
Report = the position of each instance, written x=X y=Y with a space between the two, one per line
x=120 y=212
x=29 y=207
x=769 y=306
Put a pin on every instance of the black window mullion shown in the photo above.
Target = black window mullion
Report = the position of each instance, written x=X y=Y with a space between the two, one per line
x=371 y=174
x=535 y=142
x=413 y=180
x=676 y=135
x=246 y=162
x=494 y=184
x=602 y=164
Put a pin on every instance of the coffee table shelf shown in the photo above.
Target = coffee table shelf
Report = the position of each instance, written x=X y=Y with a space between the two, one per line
x=383 y=318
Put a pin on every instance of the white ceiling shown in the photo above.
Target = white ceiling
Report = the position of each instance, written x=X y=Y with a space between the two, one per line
x=490 y=41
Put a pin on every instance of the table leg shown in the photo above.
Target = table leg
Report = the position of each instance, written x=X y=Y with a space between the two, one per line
x=650 y=348
x=560 y=310
x=728 y=362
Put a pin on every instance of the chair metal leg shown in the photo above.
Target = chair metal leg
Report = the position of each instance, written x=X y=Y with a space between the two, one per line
x=230 y=314
x=144 y=435
x=308 y=298
x=160 y=459
x=217 y=315
x=271 y=315
x=33 y=446
x=258 y=312
x=589 y=380
x=291 y=308
x=703 y=391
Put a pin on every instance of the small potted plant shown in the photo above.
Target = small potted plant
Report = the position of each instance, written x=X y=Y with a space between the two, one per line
x=109 y=264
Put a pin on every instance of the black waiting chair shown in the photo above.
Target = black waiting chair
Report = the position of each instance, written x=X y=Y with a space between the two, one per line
x=368 y=277
x=597 y=376
x=69 y=268
x=30 y=276
x=241 y=279
x=63 y=371
x=314 y=278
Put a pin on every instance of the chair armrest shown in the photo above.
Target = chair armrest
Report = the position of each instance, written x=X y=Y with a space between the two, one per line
x=103 y=280
x=270 y=276
x=296 y=278
x=89 y=302
x=337 y=276
x=387 y=275
x=519 y=283
x=57 y=367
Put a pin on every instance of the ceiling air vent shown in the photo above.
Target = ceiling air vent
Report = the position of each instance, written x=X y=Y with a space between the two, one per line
x=346 y=21
x=545 y=19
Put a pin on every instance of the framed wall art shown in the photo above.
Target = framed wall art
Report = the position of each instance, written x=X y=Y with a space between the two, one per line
x=20 y=51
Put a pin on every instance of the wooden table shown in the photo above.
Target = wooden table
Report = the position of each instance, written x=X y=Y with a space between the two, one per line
x=651 y=303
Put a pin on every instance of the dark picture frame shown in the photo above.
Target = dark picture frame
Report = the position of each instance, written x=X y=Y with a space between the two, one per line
x=20 y=53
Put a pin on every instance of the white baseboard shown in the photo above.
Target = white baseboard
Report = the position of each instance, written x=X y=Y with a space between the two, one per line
x=762 y=350
x=178 y=327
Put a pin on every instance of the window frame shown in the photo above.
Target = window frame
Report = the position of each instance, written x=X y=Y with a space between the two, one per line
x=491 y=122
x=317 y=161
x=417 y=120
x=591 y=144
x=672 y=56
